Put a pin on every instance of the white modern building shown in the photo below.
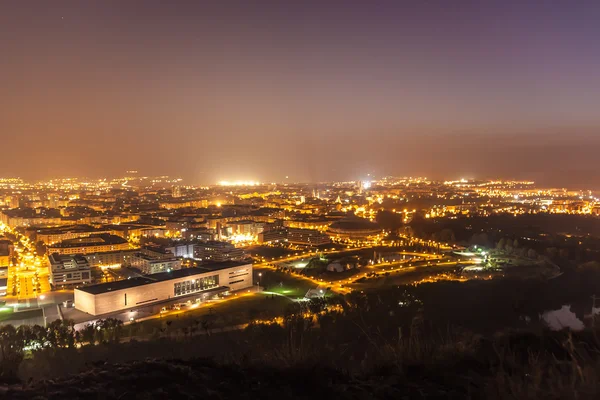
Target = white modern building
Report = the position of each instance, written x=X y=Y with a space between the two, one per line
x=187 y=284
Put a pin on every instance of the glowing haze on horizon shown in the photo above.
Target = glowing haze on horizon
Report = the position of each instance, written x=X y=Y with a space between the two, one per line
x=312 y=90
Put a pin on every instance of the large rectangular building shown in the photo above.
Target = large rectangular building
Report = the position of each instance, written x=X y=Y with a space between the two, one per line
x=307 y=237
x=216 y=251
x=28 y=217
x=57 y=234
x=90 y=244
x=106 y=298
x=273 y=236
x=111 y=259
x=151 y=265
x=69 y=269
x=246 y=227
x=185 y=250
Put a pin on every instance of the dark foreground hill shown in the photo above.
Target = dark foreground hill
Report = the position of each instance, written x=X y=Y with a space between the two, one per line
x=175 y=379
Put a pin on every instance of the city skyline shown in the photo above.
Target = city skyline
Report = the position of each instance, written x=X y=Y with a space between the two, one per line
x=134 y=180
x=315 y=92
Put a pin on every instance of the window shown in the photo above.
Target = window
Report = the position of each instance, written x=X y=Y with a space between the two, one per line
x=195 y=285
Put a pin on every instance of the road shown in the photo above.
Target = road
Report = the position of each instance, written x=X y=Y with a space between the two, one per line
x=29 y=276
x=341 y=285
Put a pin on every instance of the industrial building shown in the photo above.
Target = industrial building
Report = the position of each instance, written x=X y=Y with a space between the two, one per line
x=185 y=284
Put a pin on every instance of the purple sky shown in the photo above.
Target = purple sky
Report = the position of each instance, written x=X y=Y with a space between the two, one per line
x=315 y=90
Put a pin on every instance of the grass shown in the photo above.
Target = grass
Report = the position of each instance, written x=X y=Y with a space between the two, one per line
x=400 y=276
x=8 y=314
x=272 y=252
x=283 y=283
x=233 y=311
x=344 y=275
x=453 y=365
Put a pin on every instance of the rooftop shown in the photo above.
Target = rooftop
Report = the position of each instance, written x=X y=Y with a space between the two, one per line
x=159 y=277
x=92 y=240
x=215 y=243
x=153 y=258
x=61 y=258
x=69 y=228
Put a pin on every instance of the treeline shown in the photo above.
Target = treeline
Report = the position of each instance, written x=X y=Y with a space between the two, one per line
x=531 y=236
x=16 y=342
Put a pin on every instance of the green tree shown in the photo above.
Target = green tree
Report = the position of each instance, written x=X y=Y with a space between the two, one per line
x=11 y=352
x=111 y=329
x=88 y=334
x=61 y=333
x=316 y=306
x=39 y=336
x=501 y=244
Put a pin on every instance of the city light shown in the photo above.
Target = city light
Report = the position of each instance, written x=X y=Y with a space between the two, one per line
x=291 y=221
x=239 y=183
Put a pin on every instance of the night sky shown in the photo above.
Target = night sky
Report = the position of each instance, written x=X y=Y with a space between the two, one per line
x=315 y=90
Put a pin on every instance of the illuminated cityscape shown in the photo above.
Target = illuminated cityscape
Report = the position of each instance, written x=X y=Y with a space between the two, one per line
x=159 y=224
x=135 y=250
x=299 y=200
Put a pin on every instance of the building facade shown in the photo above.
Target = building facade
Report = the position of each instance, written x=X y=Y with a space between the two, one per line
x=307 y=237
x=273 y=236
x=151 y=265
x=111 y=259
x=90 y=244
x=69 y=269
x=189 y=283
x=185 y=250
x=6 y=252
x=57 y=234
x=4 y=259
x=216 y=251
